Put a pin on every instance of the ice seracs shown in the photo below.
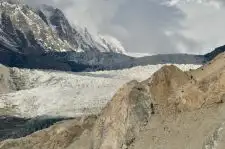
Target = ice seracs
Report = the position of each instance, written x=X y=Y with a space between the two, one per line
x=70 y=94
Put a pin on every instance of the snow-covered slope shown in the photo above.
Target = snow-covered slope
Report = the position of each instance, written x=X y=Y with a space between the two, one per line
x=111 y=43
x=46 y=28
x=43 y=38
x=70 y=94
x=76 y=35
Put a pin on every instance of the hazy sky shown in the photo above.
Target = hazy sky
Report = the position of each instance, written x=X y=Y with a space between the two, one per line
x=151 y=26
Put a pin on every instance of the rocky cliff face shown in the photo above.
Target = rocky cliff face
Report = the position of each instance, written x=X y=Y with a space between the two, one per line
x=27 y=30
x=43 y=38
x=46 y=28
x=123 y=118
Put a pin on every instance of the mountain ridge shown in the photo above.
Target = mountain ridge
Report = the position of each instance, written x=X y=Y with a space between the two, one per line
x=43 y=38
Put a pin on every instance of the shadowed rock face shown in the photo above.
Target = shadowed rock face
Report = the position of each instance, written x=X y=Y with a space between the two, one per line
x=15 y=127
x=62 y=25
x=58 y=136
x=9 y=124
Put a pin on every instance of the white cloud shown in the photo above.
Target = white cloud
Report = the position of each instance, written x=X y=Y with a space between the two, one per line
x=204 y=23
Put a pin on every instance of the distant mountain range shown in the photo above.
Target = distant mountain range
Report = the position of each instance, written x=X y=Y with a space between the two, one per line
x=43 y=38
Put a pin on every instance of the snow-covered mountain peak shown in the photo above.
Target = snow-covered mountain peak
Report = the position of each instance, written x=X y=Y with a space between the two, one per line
x=29 y=30
x=45 y=29
x=84 y=38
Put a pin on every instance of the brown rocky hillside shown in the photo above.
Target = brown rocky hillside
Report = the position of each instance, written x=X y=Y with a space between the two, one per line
x=170 y=110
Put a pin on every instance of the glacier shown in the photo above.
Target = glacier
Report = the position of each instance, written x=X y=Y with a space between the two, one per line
x=70 y=94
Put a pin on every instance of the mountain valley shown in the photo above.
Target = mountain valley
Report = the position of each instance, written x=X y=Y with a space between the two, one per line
x=64 y=87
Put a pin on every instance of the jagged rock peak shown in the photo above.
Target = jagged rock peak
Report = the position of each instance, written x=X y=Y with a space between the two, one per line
x=50 y=30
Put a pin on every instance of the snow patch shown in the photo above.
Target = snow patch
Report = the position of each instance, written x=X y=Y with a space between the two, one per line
x=134 y=54
x=112 y=43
